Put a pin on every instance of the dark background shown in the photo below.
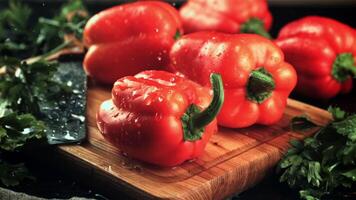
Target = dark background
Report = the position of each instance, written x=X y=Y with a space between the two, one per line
x=54 y=182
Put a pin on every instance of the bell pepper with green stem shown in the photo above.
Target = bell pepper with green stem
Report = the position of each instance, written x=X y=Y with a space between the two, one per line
x=228 y=16
x=323 y=52
x=159 y=117
x=256 y=78
x=127 y=39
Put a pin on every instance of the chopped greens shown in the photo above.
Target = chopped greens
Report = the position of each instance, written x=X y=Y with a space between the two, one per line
x=13 y=174
x=25 y=87
x=15 y=38
x=16 y=130
x=319 y=165
x=301 y=123
x=62 y=31
x=68 y=25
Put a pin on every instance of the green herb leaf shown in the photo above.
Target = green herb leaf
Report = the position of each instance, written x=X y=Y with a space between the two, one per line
x=319 y=165
x=25 y=85
x=16 y=130
x=302 y=123
x=17 y=15
x=46 y=35
x=337 y=113
x=70 y=21
x=310 y=194
x=14 y=35
x=12 y=175
x=346 y=127
x=350 y=174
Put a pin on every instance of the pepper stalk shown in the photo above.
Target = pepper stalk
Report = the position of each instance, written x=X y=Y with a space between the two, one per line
x=194 y=120
x=255 y=25
x=260 y=85
x=344 y=67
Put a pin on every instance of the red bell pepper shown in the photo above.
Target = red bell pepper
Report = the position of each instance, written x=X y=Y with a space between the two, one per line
x=323 y=52
x=257 y=81
x=229 y=16
x=159 y=117
x=130 y=38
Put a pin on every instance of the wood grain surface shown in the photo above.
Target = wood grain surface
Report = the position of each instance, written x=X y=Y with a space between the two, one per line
x=234 y=159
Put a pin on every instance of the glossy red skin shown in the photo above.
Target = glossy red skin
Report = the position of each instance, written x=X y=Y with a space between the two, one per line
x=126 y=39
x=143 y=118
x=222 y=15
x=311 y=45
x=197 y=55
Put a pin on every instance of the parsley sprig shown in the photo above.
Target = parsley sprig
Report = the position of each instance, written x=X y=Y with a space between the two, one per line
x=20 y=38
x=15 y=37
x=65 y=29
x=13 y=174
x=324 y=163
x=23 y=85
x=22 y=88
x=16 y=130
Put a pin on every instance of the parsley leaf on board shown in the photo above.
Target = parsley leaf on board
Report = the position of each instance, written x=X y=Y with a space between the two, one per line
x=13 y=174
x=337 y=113
x=302 y=123
x=325 y=162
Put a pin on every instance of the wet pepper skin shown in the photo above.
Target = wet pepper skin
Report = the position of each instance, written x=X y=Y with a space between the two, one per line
x=144 y=117
x=256 y=79
x=323 y=52
x=126 y=39
x=224 y=15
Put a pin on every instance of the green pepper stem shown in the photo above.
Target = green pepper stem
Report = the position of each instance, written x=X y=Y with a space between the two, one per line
x=194 y=120
x=344 y=67
x=255 y=25
x=203 y=118
x=177 y=35
x=260 y=85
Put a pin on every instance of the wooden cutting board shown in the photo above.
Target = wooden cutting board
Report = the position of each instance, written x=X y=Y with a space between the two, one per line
x=234 y=159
